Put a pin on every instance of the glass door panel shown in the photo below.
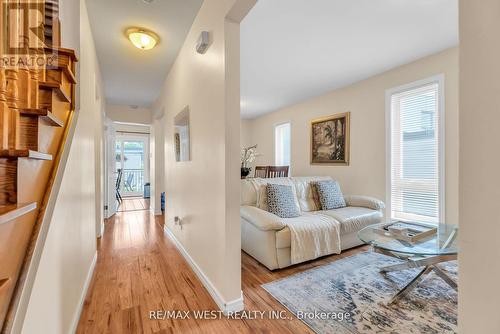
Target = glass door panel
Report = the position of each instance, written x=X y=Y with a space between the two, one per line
x=130 y=155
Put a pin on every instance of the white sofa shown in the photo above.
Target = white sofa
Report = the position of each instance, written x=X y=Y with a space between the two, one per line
x=266 y=237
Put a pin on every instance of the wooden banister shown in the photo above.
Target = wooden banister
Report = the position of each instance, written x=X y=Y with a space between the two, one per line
x=13 y=211
x=12 y=101
x=4 y=112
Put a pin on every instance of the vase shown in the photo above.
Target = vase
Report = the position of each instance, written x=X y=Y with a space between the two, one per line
x=245 y=171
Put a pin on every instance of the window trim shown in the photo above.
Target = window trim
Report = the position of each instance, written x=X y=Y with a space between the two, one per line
x=440 y=81
x=290 y=148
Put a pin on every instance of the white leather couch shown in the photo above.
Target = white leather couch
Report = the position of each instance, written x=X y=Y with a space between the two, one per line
x=266 y=237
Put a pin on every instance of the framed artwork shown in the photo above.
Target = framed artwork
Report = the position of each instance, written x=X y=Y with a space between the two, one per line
x=330 y=140
x=177 y=143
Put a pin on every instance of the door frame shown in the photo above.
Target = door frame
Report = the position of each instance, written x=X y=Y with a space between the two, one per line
x=109 y=167
x=124 y=136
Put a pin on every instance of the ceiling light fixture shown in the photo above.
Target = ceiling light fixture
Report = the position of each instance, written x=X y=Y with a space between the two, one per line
x=142 y=39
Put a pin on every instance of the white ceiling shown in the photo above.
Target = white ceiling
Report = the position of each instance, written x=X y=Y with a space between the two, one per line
x=132 y=76
x=292 y=50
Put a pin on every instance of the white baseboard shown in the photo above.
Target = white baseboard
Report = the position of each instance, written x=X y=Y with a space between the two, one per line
x=86 y=285
x=102 y=230
x=226 y=307
x=155 y=212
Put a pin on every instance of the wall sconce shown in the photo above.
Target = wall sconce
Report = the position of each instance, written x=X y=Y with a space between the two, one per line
x=203 y=41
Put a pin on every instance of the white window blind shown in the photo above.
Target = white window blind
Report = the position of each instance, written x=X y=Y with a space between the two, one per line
x=282 y=144
x=415 y=149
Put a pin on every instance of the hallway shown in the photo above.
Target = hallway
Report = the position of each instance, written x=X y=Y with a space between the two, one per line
x=140 y=270
x=133 y=204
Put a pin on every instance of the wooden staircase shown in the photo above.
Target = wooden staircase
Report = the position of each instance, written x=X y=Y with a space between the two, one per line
x=36 y=110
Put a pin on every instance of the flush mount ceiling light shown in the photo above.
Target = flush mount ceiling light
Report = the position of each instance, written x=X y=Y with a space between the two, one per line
x=142 y=39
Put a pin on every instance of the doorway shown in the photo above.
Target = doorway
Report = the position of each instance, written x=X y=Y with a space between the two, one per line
x=127 y=167
x=131 y=160
x=131 y=166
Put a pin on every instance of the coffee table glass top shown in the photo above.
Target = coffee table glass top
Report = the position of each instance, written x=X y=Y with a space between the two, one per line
x=444 y=242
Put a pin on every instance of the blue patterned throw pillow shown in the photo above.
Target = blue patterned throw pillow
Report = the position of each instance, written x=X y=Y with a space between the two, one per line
x=281 y=201
x=330 y=195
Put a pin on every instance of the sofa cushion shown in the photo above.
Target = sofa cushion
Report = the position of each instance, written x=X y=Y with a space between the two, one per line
x=248 y=194
x=260 y=186
x=353 y=218
x=330 y=194
x=281 y=201
x=305 y=193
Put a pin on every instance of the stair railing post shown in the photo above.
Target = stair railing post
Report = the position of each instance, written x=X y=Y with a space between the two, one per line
x=4 y=109
x=12 y=74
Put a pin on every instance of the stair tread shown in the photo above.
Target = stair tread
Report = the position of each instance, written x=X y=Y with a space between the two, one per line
x=25 y=154
x=3 y=281
x=66 y=71
x=45 y=114
x=53 y=119
x=34 y=112
x=71 y=53
x=53 y=85
x=13 y=211
x=70 y=74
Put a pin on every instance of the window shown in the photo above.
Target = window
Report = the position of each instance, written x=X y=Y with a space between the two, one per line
x=416 y=154
x=282 y=144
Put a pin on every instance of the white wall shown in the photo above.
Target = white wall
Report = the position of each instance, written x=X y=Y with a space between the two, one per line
x=479 y=258
x=97 y=101
x=245 y=133
x=366 y=173
x=157 y=146
x=123 y=113
x=69 y=252
x=204 y=192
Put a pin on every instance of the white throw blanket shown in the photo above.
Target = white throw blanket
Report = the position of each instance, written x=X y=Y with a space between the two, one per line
x=312 y=236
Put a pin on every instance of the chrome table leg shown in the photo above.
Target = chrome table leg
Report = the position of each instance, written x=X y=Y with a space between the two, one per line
x=444 y=276
x=419 y=262
x=429 y=263
x=411 y=285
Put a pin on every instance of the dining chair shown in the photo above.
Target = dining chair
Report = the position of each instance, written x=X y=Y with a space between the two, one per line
x=117 y=185
x=277 y=171
x=260 y=171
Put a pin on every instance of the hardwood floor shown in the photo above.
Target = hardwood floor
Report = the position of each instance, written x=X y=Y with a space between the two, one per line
x=133 y=204
x=139 y=270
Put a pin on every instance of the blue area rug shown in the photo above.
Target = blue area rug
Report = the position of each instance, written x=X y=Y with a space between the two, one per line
x=354 y=285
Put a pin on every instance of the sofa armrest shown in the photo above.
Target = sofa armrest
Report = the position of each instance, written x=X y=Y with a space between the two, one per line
x=364 y=201
x=261 y=219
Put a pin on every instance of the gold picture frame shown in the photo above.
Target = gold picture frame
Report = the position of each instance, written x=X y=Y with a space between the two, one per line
x=330 y=140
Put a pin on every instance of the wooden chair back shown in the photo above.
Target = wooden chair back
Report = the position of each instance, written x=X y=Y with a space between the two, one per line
x=277 y=171
x=261 y=171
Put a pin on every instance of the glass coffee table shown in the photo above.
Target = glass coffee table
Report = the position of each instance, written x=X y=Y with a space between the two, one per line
x=440 y=247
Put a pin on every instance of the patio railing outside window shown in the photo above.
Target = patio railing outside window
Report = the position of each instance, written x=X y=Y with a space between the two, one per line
x=132 y=181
